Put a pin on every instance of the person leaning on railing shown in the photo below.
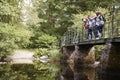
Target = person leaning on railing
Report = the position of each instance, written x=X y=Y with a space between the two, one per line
x=94 y=24
x=100 y=22
x=86 y=26
x=90 y=27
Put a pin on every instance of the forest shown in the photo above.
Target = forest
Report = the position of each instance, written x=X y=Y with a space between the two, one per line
x=39 y=24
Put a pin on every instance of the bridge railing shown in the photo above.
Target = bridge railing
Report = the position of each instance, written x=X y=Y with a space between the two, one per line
x=78 y=35
x=116 y=24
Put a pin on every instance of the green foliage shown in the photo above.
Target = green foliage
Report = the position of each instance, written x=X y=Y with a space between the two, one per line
x=47 y=41
x=54 y=14
x=98 y=52
x=9 y=11
x=12 y=37
x=40 y=52
x=18 y=72
x=44 y=41
x=23 y=36
x=54 y=53
x=47 y=71
x=37 y=71
x=7 y=40
x=13 y=34
x=78 y=17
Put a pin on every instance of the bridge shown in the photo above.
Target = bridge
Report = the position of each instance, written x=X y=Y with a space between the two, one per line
x=77 y=48
x=111 y=32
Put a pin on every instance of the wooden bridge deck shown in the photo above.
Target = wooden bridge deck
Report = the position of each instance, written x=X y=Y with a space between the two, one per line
x=100 y=41
x=97 y=41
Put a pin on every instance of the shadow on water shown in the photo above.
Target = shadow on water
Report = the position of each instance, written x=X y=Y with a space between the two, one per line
x=84 y=73
x=108 y=74
x=66 y=73
x=77 y=74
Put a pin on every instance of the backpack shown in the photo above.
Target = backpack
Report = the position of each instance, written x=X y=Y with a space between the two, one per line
x=102 y=18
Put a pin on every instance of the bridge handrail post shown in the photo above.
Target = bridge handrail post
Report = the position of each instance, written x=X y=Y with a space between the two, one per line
x=82 y=34
x=76 y=40
x=113 y=11
x=117 y=32
x=69 y=31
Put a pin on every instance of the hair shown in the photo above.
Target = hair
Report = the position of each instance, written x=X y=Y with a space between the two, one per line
x=98 y=13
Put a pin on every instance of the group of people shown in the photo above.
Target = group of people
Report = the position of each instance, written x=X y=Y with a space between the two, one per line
x=94 y=25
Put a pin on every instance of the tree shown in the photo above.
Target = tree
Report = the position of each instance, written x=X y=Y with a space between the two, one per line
x=13 y=34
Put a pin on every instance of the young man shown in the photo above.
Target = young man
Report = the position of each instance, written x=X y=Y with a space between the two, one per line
x=100 y=22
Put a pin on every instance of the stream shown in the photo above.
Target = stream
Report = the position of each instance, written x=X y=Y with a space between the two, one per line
x=53 y=71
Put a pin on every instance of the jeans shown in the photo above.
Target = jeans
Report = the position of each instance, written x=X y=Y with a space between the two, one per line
x=89 y=34
x=96 y=31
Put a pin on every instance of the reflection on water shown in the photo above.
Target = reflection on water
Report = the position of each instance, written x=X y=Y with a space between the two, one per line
x=83 y=73
x=67 y=73
x=16 y=72
x=37 y=71
x=47 y=71
x=109 y=74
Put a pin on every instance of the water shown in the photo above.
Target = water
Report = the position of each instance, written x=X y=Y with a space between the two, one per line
x=87 y=73
x=36 y=71
x=54 y=71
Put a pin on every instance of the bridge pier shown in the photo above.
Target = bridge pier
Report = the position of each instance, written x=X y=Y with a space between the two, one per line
x=109 y=67
x=79 y=55
x=114 y=57
x=110 y=58
x=76 y=59
x=67 y=51
x=84 y=56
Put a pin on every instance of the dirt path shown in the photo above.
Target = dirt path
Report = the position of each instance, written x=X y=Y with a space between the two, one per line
x=22 y=56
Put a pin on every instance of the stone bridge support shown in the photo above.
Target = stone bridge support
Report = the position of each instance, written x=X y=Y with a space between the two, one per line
x=79 y=55
x=75 y=58
x=110 y=57
x=109 y=67
x=84 y=55
x=114 y=56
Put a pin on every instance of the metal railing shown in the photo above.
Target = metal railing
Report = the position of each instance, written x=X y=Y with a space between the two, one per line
x=111 y=30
